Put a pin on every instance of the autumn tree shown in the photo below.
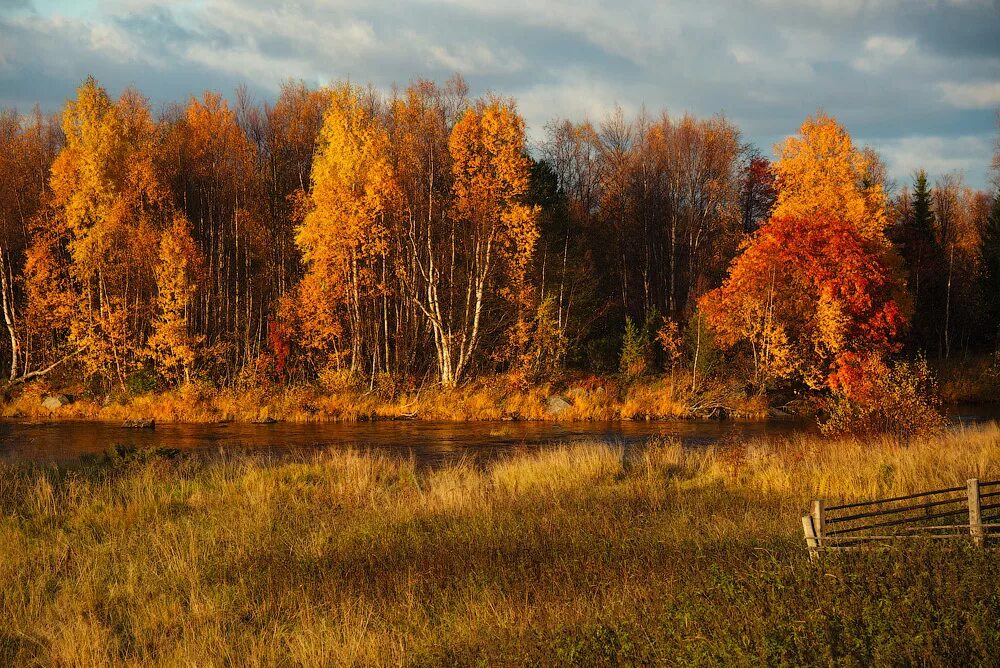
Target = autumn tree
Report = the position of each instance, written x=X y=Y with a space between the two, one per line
x=284 y=134
x=108 y=201
x=172 y=345
x=482 y=251
x=343 y=235
x=567 y=184
x=960 y=214
x=657 y=203
x=807 y=298
x=711 y=153
x=819 y=171
x=215 y=184
x=50 y=299
x=27 y=147
x=757 y=189
x=12 y=230
x=818 y=285
x=420 y=121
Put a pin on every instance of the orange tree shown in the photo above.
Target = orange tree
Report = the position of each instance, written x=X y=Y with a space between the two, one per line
x=820 y=171
x=172 y=345
x=818 y=288
x=343 y=233
x=809 y=297
x=494 y=228
x=108 y=204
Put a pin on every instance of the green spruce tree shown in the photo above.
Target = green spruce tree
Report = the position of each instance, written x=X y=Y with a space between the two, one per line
x=991 y=273
x=924 y=259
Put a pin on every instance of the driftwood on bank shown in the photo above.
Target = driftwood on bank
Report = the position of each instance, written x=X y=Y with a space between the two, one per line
x=139 y=423
x=31 y=375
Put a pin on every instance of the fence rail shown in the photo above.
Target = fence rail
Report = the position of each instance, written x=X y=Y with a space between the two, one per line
x=924 y=515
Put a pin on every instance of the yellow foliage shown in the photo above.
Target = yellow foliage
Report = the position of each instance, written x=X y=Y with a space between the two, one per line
x=491 y=173
x=172 y=346
x=107 y=196
x=104 y=180
x=344 y=223
x=820 y=171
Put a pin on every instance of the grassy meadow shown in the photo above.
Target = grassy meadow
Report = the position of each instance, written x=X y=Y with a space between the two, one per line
x=583 y=555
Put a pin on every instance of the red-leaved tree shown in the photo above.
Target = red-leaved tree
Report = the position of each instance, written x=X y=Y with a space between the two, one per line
x=808 y=298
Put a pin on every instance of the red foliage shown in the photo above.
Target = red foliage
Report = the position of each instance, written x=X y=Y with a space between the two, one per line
x=759 y=189
x=279 y=339
x=814 y=293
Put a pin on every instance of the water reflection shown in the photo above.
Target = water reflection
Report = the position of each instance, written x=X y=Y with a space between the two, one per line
x=427 y=442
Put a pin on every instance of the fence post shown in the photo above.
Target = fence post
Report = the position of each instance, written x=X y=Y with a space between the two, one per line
x=819 y=521
x=975 y=514
x=810 y=531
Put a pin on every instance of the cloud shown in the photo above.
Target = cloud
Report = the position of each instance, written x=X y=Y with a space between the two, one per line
x=767 y=65
x=936 y=154
x=982 y=95
x=247 y=62
x=882 y=51
x=590 y=99
x=886 y=68
x=475 y=58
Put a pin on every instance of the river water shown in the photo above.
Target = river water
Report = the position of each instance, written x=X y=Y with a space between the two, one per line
x=427 y=442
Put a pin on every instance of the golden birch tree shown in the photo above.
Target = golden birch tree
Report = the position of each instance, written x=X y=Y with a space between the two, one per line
x=172 y=346
x=108 y=198
x=343 y=233
x=490 y=238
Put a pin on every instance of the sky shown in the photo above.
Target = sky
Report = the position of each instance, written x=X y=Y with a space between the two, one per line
x=919 y=80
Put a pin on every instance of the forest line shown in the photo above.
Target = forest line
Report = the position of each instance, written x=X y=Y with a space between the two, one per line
x=412 y=237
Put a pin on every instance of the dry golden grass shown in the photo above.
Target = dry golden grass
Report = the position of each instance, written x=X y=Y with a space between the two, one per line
x=583 y=555
x=807 y=466
x=496 y=398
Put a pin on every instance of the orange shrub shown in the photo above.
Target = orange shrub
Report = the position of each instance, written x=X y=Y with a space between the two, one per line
x=899 y=400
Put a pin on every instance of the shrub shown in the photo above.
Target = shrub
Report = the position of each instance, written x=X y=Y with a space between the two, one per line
x=542 y=356
x=899 y=400
x=386 y=386
x=671 y=342
x=700 y=349
x=339 y=380
x=636 y=351
x=141 y=382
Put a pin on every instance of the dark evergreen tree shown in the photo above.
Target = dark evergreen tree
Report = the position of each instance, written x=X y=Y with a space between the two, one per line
x=991 y=273
x=923 y=255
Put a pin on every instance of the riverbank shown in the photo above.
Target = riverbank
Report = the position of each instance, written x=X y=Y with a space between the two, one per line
x=969 y=381
x=580 y=555
x=490 y=399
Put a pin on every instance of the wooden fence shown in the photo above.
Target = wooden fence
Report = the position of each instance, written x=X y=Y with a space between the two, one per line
x=971 y=512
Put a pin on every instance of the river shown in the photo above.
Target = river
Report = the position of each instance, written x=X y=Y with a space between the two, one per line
x=428 y=442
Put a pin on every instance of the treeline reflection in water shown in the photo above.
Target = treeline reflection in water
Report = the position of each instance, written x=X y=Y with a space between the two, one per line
x=429 y=443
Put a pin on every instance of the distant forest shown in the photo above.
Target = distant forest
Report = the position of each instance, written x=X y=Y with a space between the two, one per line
x=413 y=234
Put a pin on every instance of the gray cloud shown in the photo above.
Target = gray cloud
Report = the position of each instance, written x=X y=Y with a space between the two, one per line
x=908 y=76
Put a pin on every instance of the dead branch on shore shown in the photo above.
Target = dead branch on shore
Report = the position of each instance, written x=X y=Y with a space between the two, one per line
x=31 y=375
